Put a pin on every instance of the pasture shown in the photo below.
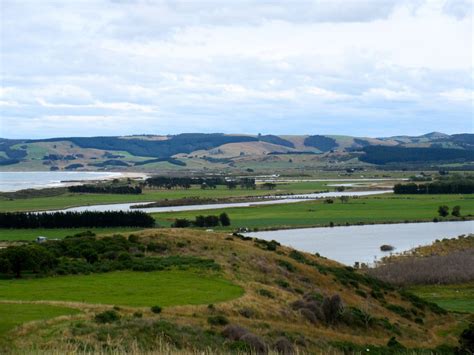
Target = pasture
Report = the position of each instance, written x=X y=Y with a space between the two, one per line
x=458 y=298
x=373 y=209
x=14 y=314
x=126 y=288
x=68 y=199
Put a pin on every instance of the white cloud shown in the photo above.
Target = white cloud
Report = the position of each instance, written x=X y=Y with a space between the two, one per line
x=192 y=63
x=459 y=95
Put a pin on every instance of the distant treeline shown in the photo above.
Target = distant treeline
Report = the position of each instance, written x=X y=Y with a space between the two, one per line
x=75 y=219
x=465 y=186
x=158 y=160
x=106 y=189
x=204 y=221
x=384 y=155
x=186 y=182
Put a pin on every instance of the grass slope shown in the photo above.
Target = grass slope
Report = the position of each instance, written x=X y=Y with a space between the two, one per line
x=164 y=288
x=374 y=209
x=14 y=314
x=459 y=298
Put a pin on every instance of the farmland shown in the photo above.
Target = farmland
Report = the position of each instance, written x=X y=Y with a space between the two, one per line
x=67 y=199
x=373 y=209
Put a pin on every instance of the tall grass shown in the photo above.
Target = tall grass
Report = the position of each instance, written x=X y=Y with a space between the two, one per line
x=456 y=267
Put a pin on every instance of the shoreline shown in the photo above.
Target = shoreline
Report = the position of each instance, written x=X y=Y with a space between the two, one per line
x=64 y=182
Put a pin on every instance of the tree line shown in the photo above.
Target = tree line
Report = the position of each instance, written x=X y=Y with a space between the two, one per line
x=203 y=221
x=439 y=187
x=106 y=189
x=168 y=182
x=88 y=219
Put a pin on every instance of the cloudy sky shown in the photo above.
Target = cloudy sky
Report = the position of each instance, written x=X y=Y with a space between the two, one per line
x=105 y=67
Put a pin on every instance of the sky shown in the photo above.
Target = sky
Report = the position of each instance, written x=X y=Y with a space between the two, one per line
x=119 y=67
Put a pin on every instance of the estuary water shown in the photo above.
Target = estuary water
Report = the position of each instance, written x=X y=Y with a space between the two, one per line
x=362 y=243
x=14 y=181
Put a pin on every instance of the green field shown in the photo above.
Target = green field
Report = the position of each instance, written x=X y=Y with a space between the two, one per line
x=31 y=234
x=164 y=288
x=82 y=199
x=459 y=298
x=373 y=209
x=14 y=314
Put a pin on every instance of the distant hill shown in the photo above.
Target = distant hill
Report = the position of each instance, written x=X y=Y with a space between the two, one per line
x=199 y=151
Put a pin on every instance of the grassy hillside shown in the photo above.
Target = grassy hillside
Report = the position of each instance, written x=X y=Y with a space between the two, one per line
x=290 y=300
x=234 y=152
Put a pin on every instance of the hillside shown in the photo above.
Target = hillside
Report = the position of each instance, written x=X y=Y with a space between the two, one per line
x=196 y=151
x=257 y=295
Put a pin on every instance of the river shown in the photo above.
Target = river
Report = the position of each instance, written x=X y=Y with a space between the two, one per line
x=265 y=201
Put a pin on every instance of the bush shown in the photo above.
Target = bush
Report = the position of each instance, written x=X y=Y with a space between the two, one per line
x=247 y=312
x=466 y=340
x=282 y=283
x=309 y=315
x=217 y=320
x=287 y=265
x=266 y=293
x=156 y=309
x=456 y=211
x=443 y=211
x=224 y=219
x=234 y=332
x=181 y=223
x=255 y=342
x=107 y=317
x=284 y=347
x=332 y=308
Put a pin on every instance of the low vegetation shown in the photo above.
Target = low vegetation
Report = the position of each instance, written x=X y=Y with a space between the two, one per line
x=450 y=261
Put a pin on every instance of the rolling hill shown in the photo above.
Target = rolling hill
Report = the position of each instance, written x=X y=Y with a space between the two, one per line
x=199 y=151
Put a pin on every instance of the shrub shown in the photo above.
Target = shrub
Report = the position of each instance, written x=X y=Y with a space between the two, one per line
x=156 y=309
x=309 y=315
x=157 y=247
x=255 y=342
x=247 y=312
x=132 y=238
x=138 y=314
x=466 y=340
x=224 y=219
x=282 y=283
x=234 y=332
x=287 y=265
x=217 y=320
x=284 y=347
x=266 y=293
x=181 y=223
x=107 y=316
x=332 y=308
x=456 y=212
x=443 y=211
